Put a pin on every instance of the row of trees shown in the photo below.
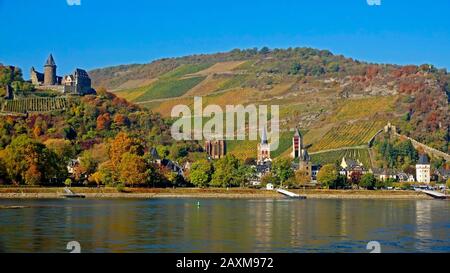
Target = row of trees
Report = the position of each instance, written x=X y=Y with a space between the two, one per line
x=225 y=172
x=329 y=177
x=119 y=161
x=124 y=161
x=229 y=172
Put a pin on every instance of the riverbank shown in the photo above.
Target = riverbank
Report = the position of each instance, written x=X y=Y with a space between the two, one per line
x=245 y=193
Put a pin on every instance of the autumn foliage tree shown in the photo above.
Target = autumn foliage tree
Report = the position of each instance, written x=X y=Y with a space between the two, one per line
x=200 y=173
x=31 y=162
x=327 y=175
x=121 y=120
x=121 y=144
x=302 y=178
x=103 y=122
x=61 y=147
x=132 y=170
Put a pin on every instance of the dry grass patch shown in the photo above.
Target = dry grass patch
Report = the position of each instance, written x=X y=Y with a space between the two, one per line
x=222 y=67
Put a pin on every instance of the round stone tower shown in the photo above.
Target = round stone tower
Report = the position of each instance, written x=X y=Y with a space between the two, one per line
x=50 y=71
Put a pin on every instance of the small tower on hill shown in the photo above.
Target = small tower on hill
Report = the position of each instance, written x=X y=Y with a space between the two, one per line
x=297 y=144
x=50 y=71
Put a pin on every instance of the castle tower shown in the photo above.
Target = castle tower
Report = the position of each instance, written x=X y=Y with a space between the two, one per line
x=264 y=148
x=297 y=144
x=50 y=71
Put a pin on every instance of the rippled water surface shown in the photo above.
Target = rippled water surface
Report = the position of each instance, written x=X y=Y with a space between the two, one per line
x=225 y=225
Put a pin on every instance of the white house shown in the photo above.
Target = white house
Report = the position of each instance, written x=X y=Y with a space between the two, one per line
x=72 y=164
x=423 y=169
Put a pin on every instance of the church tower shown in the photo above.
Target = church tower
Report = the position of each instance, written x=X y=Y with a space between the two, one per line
x=50 y=71
x=297 y=144
x=264 y=148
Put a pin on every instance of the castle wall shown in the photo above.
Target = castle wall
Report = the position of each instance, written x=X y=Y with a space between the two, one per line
x=58 y=88
x=426 y=149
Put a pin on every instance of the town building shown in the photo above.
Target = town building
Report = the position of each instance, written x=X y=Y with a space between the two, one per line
x=260 y=170
x=423 y=169
x=350 y=167
x=215 y=148
x=155 y=156
x=165 y=163
x=314 y=172
x=187 y=166
x=405 y=177
x=76 y=83
x=72 y=165
x=384 y=174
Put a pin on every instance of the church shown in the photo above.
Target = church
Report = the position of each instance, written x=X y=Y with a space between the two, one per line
x=264 y=149
x=301 y=159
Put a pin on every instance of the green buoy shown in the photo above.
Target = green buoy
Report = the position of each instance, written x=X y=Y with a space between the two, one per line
x=198 y=204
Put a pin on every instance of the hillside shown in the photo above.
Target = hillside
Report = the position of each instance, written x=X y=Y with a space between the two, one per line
x=339 y=102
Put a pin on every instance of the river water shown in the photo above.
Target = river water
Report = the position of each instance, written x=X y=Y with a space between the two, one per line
x=225 y=225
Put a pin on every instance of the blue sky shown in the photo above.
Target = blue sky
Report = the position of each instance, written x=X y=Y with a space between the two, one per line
x=101 y=33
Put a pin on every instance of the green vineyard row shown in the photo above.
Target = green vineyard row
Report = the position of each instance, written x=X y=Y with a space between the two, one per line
x=35 y=105
x=348 y=135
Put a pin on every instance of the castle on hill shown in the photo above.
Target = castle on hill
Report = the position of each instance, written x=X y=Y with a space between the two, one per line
x=76 y=83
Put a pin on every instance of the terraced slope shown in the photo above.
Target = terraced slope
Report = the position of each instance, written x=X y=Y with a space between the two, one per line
x=348 y=135
x=340 y=102
x=171 y=84
x=336 y=156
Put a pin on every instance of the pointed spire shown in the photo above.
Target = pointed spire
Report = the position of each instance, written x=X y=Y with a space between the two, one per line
x=264 y=136
x=50 y=61
x=154 y=153
x=297 y=132
x=305 y=156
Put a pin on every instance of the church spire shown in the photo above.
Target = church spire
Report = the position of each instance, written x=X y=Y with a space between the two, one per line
x=50 y=61
x=264 y=136
x=297 y=132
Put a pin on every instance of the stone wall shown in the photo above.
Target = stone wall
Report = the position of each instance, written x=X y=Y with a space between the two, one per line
x=425 y=148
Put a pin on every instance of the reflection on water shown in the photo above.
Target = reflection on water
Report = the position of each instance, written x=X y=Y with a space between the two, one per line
x=225 y=225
